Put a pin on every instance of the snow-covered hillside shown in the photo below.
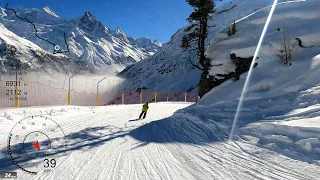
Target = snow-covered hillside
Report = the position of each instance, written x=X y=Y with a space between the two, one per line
x=89 y=40
x=168 y=67
x=295 y=19
x=281 y=106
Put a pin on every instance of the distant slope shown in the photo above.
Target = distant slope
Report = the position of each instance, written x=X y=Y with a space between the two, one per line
x=150 y=45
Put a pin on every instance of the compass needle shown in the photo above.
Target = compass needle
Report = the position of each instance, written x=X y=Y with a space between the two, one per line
x=36 y=145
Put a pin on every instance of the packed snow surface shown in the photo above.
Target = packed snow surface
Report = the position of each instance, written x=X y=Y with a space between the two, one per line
x=110 y=143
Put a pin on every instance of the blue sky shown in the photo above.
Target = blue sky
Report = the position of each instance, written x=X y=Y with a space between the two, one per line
x=156 y=19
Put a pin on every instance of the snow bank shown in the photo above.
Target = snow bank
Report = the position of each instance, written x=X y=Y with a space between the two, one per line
x=298 y=142
x=296 y=19
x=281 y=106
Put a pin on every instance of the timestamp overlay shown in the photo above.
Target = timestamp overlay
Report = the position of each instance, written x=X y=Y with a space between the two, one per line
x=35 y=144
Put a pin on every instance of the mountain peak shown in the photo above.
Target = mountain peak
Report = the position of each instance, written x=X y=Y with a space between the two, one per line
x=87 y=14
x=119 y=31
x=49 y=11
x=151 y=46
x=2 y=11
x=91 y=23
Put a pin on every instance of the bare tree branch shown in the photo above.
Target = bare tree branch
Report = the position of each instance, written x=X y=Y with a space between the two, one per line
x=286 y=51
x=195 y=65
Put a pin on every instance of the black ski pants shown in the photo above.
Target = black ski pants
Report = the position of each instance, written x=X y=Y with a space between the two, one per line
x=144 y=116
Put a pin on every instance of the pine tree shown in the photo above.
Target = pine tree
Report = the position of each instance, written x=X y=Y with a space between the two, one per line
x=229 y=32
x=234 y=28
x=198 y=32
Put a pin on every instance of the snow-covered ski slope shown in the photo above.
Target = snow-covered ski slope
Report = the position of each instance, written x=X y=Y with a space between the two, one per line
x=109 y=143
x=277 y=135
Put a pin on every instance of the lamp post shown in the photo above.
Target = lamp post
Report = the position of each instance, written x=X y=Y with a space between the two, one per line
x=85 y=86
x=97 y=97
x=38 y=77
x=69 y=92
x=64 y=82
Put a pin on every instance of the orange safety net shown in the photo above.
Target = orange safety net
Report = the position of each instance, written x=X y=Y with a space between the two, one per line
x=37 y=94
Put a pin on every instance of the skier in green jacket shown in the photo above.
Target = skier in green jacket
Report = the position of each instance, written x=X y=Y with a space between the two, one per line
x=145 y=108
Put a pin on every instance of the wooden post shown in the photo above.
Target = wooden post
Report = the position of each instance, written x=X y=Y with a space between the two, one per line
x=185 y=97
x=17 y=104
x=123 y=98
x=97 y=100
x=69 y=97
x=155 y=97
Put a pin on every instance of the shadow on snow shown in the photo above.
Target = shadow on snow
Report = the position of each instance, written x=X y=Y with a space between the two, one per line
x=84 y=139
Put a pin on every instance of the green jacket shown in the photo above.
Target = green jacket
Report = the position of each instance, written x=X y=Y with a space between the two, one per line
x=145 y=107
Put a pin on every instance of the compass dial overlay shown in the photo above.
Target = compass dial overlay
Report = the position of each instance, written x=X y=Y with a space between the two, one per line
x=36 y=143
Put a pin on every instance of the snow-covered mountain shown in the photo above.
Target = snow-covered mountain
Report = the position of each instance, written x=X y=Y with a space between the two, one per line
x=38 y=16
x=89 y=40
x=18 y=52
x=152 y=46
x=168 y=67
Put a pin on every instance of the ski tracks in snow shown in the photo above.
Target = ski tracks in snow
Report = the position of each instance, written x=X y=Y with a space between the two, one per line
x=101 y=147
